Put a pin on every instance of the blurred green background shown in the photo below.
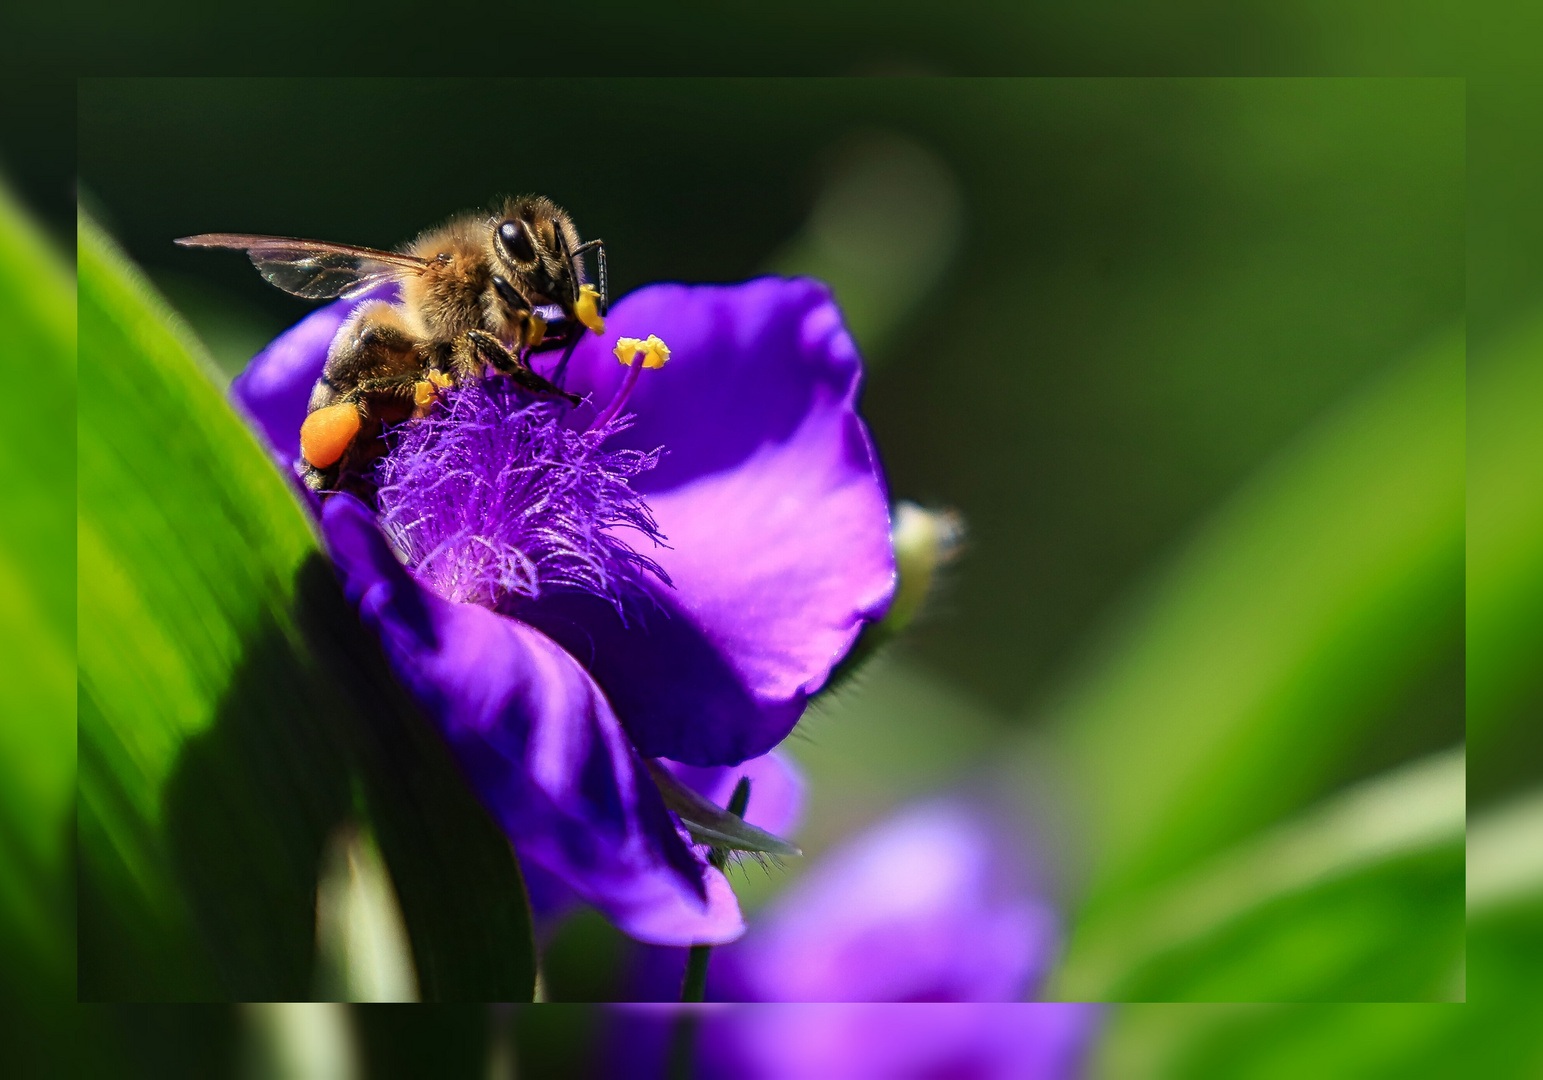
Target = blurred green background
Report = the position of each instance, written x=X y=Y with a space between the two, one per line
x=1188 y=357
x=799 y=37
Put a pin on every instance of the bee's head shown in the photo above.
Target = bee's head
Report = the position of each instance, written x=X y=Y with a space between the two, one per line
x=533 y=241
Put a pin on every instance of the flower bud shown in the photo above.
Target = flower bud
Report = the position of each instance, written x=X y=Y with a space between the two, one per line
x=925 y=540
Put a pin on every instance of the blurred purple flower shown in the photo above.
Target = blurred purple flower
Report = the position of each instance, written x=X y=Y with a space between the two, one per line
x=932 y=905
x=603 y=647
x=851 y=1041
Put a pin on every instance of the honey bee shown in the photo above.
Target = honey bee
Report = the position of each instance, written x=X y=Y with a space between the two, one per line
x=484 y=290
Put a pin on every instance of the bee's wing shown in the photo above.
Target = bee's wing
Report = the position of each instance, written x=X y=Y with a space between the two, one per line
x=314 y=269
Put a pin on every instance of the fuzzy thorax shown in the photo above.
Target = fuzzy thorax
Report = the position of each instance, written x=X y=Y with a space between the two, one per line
x=490 y=499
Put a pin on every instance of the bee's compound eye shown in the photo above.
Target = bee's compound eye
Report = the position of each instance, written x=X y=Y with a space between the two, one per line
x=515 y=240
x=326 y=433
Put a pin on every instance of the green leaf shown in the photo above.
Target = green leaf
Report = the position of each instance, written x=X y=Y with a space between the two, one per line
x=1361 y=899
x=1505 y=904
x=229 y=702
x=37 y=619
x=1295 y=621
x=1326 y=1042
x=1505 y=561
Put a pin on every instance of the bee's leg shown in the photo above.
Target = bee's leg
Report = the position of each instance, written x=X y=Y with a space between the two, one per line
x=380 y=401
x=392 y=398
x=374 y=341
x=487 y=349
x=392 y=386
x=556 y=341
x=318 y=480
x=386 y=333
x=345 y=449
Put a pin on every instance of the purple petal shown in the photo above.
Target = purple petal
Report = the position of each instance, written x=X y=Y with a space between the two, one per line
x=926 y=907
x=776 y=789
x=748 y=364
x=539 y=743
x=275 y=388
x=551 y=901
x=772 y=501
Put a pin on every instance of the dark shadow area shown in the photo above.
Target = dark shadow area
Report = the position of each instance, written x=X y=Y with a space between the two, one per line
x=248 y=811
x=587 y=960
x=560 y=1042
x=455 y=873
x=242 y=820
x=126 y=1042
x=442 y=1041
x=249 y=807
x=1424 y=717
x=1509 y=760
x=31 y=970
x=244 y=817
x=163 y=1042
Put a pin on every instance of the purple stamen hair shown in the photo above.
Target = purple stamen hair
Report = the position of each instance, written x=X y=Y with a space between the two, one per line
x=490 y=500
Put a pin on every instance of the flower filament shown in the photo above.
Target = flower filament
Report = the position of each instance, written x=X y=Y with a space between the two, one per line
x=635 y=355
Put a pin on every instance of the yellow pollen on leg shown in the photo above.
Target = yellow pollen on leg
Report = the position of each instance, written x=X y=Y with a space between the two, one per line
x=423 y=398
x=587 y=308
x=535 y=329
x=426 y=392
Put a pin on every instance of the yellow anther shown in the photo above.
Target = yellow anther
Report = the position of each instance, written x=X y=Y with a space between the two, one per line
x=587 y=308
x=626 y=349
x=658 y=352
x=426 y=392
x=535 y=329
x=655 y=352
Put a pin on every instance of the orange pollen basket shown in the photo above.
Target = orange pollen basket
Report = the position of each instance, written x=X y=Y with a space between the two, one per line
x=327 y=432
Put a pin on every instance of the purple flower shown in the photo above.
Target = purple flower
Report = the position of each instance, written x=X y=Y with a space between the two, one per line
x=853 y=1041
x=932 y=905
x=554 y=516
x=550 y=639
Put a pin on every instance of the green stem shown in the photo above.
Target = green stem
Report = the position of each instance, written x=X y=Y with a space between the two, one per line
x=682 y=1061
x=694 y=986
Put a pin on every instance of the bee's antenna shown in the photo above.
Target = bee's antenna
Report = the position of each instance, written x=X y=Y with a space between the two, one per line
x=605 y=292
